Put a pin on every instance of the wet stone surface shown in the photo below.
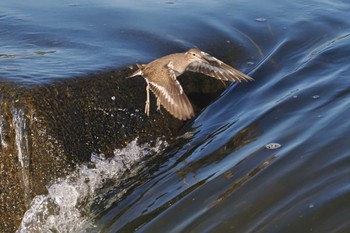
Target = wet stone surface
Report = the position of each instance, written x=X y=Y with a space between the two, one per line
x=46 y=130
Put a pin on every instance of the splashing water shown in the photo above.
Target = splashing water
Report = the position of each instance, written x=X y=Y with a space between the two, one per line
x=68 y=200
x=20 y=125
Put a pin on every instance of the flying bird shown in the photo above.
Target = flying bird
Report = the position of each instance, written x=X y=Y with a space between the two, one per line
x=161 y=78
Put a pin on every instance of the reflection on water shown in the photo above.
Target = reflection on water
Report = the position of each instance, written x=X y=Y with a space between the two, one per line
x=224 y=177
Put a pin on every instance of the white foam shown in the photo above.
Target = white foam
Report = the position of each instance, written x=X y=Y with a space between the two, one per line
x=65 y=208
x=273 y=146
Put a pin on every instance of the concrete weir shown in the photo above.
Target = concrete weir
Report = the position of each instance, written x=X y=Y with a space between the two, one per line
x=46 y=129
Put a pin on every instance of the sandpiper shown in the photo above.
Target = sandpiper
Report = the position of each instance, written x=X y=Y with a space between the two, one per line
x=161 y=74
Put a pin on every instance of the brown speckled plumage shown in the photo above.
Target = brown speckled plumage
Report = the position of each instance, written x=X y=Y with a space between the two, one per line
x=160 y=76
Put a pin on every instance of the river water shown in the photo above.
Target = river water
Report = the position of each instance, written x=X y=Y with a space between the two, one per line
x=268 y=156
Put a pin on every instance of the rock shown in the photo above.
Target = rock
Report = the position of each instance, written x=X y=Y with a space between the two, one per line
x=47 y=129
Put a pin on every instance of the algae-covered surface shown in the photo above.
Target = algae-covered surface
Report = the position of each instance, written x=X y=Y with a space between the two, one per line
x=46 y=130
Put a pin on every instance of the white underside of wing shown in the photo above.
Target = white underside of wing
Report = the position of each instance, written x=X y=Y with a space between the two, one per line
x=165 y=93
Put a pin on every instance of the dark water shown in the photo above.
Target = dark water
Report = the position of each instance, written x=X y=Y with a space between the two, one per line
x=45 y=41
x=221 y=178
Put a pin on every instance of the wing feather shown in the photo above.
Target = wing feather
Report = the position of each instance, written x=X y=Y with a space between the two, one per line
x=217 y=69
x=169 y=91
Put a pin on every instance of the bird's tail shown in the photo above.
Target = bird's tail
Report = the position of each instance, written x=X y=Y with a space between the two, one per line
x=139 y=71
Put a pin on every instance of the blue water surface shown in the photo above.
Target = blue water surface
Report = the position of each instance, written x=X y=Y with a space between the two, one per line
x=223 y=178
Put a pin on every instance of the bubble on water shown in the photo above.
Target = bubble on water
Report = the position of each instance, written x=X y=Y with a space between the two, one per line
x=260 y=20
x=315 y=97
x=273 y=146
x=311 y=206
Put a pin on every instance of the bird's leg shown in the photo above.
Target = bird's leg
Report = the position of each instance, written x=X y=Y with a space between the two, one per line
x=158 y=104
x=147 y=101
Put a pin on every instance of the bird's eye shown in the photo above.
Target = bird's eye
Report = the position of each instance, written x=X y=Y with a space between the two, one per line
x=193 y=54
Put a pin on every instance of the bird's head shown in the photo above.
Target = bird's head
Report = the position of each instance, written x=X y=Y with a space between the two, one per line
x=198 y=55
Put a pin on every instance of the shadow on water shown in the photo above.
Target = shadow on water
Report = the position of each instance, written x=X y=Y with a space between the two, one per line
x=219 y=175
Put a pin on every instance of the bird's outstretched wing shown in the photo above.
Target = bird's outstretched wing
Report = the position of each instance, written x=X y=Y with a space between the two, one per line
x=170 y=94
x=215 y=68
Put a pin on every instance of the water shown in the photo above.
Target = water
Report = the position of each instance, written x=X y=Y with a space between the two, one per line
x=64 y=39
x=61 y=210
x=221 y=177
x=22 y=147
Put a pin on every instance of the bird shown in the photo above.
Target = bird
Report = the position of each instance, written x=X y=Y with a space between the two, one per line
x=161 y=78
